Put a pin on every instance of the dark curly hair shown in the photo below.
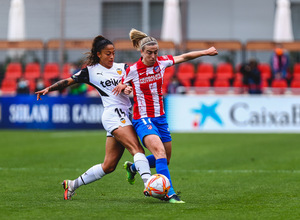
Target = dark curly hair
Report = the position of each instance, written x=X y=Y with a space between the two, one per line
x=99 y=43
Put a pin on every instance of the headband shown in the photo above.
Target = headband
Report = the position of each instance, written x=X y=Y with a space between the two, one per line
x=150 y=42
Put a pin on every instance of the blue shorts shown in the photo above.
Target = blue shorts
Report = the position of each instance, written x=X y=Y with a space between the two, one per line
x=158 y=126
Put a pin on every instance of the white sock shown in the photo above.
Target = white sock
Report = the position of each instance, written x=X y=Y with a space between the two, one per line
x=142 y=166
x=94 y=173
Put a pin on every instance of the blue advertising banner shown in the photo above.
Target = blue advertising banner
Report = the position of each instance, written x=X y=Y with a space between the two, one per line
x=63 y=112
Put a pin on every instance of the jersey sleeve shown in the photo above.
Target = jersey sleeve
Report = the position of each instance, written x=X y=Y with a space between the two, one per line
x=82 y=76
x=128 y=76
x=167 y=60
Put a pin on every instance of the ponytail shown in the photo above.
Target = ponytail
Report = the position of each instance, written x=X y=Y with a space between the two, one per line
x=140 y=39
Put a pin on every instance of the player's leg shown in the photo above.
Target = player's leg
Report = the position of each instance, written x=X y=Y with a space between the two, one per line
x=149 y=134
x=113 y=154
x=120 y=126
x=156 y=147
x=151 y=159
x=163 y=129
x=154 y=144
x=153 y=132
x=128 y=138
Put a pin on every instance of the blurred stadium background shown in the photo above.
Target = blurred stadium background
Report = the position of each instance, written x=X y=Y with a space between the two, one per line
x=43 y=41
x=221 y=176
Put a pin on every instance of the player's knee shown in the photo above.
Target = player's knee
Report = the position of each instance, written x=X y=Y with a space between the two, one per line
x=134 y=149
x=160 y=154
x=109 y=169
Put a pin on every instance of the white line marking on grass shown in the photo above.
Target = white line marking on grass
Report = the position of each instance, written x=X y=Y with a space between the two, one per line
x=39 y=169
x=239 y=171
x=195 y=171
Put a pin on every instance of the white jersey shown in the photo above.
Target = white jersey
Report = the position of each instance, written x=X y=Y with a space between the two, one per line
x=105 y=80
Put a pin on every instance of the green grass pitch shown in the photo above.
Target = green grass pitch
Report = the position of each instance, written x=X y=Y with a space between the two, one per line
x=220 y=176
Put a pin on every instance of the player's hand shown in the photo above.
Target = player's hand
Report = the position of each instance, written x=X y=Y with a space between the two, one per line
x=119 y=88
x=127 y=90
x=212 y=51
x=41 y=92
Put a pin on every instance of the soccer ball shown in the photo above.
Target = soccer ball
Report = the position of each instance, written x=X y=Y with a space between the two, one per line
x=158 y=186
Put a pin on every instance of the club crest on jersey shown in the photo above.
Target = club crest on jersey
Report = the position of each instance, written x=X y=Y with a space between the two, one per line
x=149 y=127
x=119 y=71
x=156 y=69
x=123 y=121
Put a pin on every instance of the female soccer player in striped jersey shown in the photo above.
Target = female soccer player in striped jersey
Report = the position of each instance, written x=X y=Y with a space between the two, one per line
x=149 y=120
x=103 y=74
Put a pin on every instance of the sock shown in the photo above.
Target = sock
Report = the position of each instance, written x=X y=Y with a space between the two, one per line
x=151 y=159
x=162 y=168
x=94 y=173
x=142 y=166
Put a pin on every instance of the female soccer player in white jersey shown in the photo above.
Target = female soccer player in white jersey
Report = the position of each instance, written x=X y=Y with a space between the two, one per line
x=149 y=120
x=103 y=74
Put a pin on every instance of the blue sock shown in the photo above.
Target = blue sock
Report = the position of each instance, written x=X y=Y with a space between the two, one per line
x=151 y=159
x=162 y=168
x=133 y=167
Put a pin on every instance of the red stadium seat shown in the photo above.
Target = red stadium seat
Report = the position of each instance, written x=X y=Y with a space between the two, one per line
x=169 y=73
x=186 y=74
x=221 y=86
x=186 y=82
x=186 y=71
x=13 y=71
x=9 y=87
x=238 y=86
x=32 y=85
x=32 y=71
x=206 y=69
x=202 y=83
x=264 y=84
x=296 y=76
x=51 y=71
x=265 y=71
x=202 y=86
x=295 y=87
x=204 y=76
x=66 y=71
x=238 y=77
x=296 y=68
x=224 y=71
x=279 y=86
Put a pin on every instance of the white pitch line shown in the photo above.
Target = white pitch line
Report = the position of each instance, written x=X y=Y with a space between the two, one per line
x=39 y=169
x=239 y=171
x=172 y=170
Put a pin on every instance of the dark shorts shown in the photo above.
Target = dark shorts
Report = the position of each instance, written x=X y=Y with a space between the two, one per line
x=157 y=126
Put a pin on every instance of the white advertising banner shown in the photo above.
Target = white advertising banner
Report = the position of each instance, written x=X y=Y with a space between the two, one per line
x=233 y=113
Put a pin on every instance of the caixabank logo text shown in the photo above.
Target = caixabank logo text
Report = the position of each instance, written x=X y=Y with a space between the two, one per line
x=243 y=114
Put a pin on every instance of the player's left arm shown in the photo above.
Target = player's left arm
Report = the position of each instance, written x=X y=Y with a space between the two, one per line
x=64 y=83
x=195 y=54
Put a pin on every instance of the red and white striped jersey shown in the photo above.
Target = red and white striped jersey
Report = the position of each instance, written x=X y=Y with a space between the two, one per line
x=147 y=83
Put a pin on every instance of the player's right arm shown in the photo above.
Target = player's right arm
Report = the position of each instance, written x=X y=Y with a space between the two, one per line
x=64 y=83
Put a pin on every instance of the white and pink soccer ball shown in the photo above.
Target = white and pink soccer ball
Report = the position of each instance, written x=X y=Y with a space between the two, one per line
x=158 y=186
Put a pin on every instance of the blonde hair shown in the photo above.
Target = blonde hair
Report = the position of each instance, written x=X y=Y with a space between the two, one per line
x=140 y=39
